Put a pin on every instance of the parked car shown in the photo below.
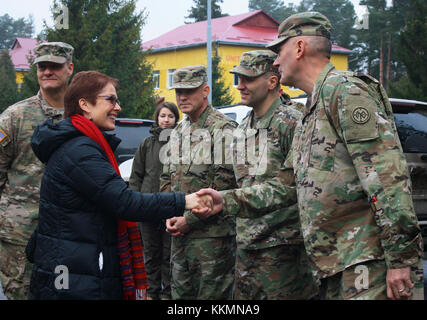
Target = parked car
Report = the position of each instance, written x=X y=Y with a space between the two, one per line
x=411 y=122
x=126 y=169
x=235 y=111
x=301 y=99
x=132 y=132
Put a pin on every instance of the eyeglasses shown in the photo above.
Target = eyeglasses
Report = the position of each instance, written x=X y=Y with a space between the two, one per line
x=113 y=99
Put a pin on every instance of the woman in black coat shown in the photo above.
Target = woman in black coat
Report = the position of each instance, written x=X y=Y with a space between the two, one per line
x=85 y=204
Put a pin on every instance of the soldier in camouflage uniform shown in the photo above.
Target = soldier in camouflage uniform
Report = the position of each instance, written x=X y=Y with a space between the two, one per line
x=20 y=170
x=354 y=191
x=271 y=258
x=203 y=260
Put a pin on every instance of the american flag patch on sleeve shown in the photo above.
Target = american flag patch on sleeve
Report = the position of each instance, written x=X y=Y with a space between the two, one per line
x=3 y=135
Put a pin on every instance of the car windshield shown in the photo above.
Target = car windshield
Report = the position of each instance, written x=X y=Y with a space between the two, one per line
x=131 y=135
x=412 y=130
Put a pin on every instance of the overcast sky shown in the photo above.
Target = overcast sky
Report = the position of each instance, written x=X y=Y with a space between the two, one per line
x=163 y=15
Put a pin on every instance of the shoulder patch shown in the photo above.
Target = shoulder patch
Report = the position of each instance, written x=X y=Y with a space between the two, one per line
x=4 y=138
x=359 y=121
x=3 y=135
x=360 y=115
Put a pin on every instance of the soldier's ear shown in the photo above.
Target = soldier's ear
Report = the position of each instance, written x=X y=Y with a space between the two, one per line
x=300 y=48
x=273 y=81
x=70 y=68
x=206 y=91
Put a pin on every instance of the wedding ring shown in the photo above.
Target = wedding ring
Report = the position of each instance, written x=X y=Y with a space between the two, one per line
x=401 y=290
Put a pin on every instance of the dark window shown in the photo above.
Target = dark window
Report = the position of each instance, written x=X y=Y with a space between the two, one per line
x=131 y=134
x=236 y=80
x=412 y=129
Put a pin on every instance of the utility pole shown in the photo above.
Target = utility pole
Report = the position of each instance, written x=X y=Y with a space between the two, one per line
x=209 y=49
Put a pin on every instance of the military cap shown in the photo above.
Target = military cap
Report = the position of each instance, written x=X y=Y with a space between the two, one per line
x=189 y=77
x=255 y=63
x=57 y=52
x=302 y=24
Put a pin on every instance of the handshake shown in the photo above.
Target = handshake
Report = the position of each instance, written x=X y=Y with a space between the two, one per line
x=203 y=204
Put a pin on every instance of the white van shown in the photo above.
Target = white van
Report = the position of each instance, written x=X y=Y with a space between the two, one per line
x=235 y=112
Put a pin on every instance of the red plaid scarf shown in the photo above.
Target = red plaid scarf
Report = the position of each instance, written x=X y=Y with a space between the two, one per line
x=130 y=246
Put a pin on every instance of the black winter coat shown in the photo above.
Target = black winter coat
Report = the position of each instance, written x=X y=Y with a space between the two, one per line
x=75 y=252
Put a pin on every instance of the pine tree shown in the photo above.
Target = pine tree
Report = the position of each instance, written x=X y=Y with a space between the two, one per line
x=221 y=95
x=340 y=12
x=11 y=28
x=342 y=16
x=30 y=85
x=106 y=36
x=199 y=11
x=412 y=43
x=377 y=50
x=275 y=8
x=8 y=89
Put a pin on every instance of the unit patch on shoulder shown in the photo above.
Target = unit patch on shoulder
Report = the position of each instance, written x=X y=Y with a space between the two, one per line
x=360 y=115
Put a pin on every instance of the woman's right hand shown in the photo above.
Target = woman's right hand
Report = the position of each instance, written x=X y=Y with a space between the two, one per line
x=202 y=203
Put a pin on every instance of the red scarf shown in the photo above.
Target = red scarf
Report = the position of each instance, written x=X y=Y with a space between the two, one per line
x=130 y=246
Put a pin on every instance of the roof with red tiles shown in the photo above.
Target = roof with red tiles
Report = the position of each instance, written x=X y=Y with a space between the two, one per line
x=256 y=28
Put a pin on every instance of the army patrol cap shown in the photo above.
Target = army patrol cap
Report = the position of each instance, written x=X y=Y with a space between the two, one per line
x=189 y=77
x=302 y=24
x=255 y=63
x=57 y=52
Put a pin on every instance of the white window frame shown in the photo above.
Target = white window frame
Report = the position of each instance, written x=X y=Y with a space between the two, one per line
x=156 y=79
x=170 y=78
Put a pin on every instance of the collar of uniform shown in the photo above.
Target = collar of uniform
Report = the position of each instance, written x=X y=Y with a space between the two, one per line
x=47 y=108
x=265 y=120
x=317 y=87
x=203 y=116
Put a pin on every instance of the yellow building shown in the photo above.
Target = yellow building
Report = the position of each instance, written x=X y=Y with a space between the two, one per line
x=231 y=36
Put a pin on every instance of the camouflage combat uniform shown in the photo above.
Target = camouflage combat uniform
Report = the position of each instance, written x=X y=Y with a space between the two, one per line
x=20 y=177
x=203 y=260
x=271 y=258
x=354 y=191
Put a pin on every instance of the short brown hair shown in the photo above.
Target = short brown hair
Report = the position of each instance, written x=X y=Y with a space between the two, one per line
x=320 y=45
x=268 y=74
x=86 y=85
x=168 y=105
